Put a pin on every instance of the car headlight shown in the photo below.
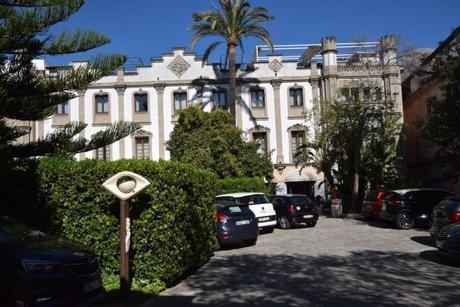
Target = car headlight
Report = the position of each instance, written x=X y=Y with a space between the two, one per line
x=39 y=266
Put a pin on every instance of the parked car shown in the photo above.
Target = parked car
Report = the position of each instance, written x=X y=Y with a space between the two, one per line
x=236 y=223
x=259 y=205
x=448 y=239
x=40 y=270
x=372 y=203
x=409 y=207
x=294 y=209
x=445 y=213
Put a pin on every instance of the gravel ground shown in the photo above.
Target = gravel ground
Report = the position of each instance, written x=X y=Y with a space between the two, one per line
x=340 y=262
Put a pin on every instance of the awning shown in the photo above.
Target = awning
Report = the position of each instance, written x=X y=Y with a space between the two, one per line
x=295 y=175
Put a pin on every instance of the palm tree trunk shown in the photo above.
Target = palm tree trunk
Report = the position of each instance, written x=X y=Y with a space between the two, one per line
x=232 y=80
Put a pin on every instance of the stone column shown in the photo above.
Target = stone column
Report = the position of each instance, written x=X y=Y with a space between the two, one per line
x=81 y=117
x=314 y=82
x=391 y=75
x=239 y=108
x=160 y=87
x=121 y=115
x=279 y=134
x=330 y=75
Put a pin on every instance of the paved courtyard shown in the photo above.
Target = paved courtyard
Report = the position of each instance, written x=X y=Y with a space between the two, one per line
x=340 y=262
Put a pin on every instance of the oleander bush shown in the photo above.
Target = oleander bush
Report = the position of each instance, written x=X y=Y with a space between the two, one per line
x=172 y=221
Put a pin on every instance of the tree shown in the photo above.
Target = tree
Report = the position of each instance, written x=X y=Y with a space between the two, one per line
x=211 y=141
x=359 y=135
x=232 y=22
x=442 y=126
x=26 y=95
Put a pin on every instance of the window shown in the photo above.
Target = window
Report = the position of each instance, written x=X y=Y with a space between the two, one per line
x=257 y=98
x=63 y=108
x=103 y=153
x=295 y=97
x=350 y=93
x=261 y=139
x=297 y=141
x=180 y=101
x=219 y=99
x=102 y=103
x=141 y=102
x=142 y=148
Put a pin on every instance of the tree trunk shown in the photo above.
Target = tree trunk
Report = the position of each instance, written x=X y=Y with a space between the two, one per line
x=356 y=173
x=232 y=81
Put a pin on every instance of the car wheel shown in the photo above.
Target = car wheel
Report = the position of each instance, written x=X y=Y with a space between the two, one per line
x=250 y=242
x=405 y=220
x=284 y=222
x=311 y=224
x=269 y=230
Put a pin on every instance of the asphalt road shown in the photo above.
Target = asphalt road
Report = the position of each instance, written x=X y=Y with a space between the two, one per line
x=340 y=262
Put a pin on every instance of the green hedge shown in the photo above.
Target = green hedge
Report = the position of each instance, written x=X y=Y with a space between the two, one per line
x=245 y=184
x=172 y=222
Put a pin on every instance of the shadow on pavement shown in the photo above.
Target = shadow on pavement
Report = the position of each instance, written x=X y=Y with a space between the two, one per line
x=424 y=240
x=441 y=258
x=360 y=279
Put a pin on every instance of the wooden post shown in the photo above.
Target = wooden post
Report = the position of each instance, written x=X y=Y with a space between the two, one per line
x=124 y=256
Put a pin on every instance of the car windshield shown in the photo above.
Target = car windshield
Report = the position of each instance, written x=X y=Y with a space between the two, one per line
x=11 y=231
x=300 y=200
x=254 y=199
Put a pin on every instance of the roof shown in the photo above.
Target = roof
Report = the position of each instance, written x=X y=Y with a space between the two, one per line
x=428 y=59
x=404 y=191
x=241 y=194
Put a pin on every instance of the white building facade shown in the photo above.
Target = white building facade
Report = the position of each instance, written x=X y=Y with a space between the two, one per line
x=278 y=105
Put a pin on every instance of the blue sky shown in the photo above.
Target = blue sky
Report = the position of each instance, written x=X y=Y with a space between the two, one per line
x=147 y=28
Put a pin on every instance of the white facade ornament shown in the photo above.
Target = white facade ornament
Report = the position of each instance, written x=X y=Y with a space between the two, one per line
x=126 y=189
x=179 y=66
x=275 y=65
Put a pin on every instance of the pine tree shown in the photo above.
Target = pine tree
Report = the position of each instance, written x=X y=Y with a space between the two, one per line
x=27 y=95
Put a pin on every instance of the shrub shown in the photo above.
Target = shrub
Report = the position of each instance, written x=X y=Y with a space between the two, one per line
x=245 y=184
x=172 y=221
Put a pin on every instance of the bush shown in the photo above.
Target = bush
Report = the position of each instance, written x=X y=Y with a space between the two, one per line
x=245 y=184
x=172 y=222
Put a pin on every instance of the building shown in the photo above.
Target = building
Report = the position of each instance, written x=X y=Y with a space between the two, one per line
x=276 y=93
x=420 y=152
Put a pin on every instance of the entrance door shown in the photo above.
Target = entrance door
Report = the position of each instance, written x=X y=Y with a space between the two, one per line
x=301 y=187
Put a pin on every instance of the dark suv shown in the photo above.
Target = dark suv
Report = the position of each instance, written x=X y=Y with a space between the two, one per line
x=294 y=210
x=408 y=207
x=445 y=213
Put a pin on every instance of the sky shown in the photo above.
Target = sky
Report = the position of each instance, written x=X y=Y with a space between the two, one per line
x=148 y=28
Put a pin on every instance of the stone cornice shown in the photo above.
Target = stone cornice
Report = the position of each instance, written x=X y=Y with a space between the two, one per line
x=105 y=85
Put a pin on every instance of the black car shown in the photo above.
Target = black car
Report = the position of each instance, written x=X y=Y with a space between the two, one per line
x=445 y=213
x=408 y=207
x=448 y=239
x=236 y=224
x=294 y=210
x=39 y=270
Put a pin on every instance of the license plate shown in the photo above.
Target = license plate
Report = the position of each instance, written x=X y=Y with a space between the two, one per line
x=308 y=216
x=262 y=219
x=244 y=222
x=95 y=284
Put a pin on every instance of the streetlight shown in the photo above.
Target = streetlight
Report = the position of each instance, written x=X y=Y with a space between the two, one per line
x=124 y=190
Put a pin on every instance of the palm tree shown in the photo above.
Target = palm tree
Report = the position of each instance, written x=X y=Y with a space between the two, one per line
x=232 y=21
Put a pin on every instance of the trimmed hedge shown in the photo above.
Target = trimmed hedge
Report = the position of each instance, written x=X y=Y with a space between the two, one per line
x=245 y=184
x=172 y=222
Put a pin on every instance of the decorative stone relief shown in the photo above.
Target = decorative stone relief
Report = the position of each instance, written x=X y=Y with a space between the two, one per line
x=179 y=66
x=275 y=65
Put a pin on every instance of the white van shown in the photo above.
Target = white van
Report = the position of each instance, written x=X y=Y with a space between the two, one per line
x=259 y=205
